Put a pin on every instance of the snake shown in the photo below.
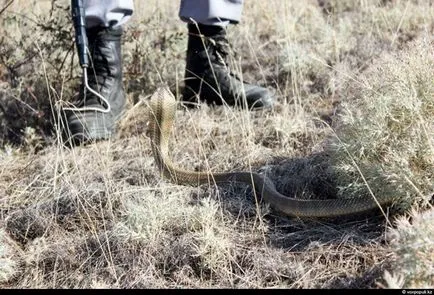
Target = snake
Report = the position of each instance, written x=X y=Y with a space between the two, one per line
x=163 y=106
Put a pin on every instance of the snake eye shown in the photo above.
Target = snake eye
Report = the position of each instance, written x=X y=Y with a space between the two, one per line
x=148 y=132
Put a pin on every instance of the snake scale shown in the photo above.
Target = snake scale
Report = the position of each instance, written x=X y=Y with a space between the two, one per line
x=163 y=106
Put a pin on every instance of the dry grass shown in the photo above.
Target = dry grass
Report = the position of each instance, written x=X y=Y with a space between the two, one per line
x=354 y=117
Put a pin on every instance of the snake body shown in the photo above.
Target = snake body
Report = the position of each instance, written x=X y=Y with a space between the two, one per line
x=163 y=106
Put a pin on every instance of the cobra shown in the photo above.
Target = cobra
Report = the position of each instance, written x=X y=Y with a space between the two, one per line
x=163 y=108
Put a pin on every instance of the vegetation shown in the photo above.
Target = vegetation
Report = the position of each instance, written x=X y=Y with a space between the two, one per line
x=354 y=117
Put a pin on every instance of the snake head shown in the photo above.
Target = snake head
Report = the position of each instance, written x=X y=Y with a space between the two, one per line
x=162 y=106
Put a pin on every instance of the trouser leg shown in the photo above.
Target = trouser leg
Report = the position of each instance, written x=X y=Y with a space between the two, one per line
x=211 y=12
x=107 y=13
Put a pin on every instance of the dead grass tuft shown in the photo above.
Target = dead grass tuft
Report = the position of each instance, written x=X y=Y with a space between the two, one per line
x=412 y=242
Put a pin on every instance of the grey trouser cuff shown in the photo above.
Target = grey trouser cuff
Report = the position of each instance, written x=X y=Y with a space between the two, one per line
x=211 y=12
x=109 y=13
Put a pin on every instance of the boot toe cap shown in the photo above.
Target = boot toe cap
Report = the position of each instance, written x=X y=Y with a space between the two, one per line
x=81 y=128
x=259 y=97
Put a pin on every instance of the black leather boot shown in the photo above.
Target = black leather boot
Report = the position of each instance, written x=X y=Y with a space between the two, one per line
x=207 y=77
x=93 y=118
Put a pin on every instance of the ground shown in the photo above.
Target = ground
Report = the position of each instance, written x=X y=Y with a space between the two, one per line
x=354 y=117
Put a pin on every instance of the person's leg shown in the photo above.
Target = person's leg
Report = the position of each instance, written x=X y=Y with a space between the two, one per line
x=211 y=12
x=107 y=13
x=207 y=76
x=92 y=118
